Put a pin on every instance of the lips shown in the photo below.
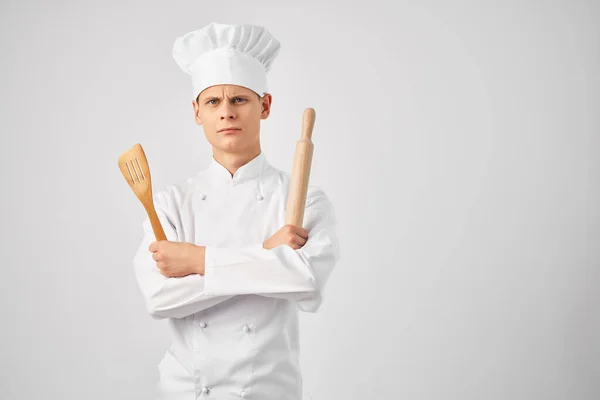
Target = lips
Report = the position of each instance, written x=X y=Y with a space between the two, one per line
x=228 y=130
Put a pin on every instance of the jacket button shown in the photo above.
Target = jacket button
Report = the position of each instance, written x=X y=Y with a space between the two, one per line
x=242 y=393
x=203 y=197
x=259 y=197
x=245 y=328
x=203 y=324
x=205 y=390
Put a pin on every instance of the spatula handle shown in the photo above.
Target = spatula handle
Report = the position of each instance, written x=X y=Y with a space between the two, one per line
x=159 y=233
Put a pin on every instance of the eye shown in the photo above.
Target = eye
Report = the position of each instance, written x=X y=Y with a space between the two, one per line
x=209 y=102
x=239 y=98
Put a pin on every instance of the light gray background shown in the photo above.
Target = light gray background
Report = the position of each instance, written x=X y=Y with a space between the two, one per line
x=457 y=140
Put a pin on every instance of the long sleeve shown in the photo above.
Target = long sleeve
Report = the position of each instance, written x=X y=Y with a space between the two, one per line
x=282 y=272
x=168 y=297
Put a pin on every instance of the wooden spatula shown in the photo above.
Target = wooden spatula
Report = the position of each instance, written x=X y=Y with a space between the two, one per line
x=134 y=167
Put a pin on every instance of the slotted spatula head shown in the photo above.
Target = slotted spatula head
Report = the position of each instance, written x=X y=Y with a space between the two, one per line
x=134 y=167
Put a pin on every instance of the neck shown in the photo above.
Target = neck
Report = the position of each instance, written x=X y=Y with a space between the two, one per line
x=233 y=161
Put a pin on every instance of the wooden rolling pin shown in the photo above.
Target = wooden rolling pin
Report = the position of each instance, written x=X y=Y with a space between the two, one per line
x=300 y=176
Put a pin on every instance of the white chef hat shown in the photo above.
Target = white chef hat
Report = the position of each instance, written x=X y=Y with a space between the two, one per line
x=227 y=54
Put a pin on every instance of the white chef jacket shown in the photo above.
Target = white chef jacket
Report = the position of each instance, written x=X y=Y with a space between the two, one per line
x=235 y=328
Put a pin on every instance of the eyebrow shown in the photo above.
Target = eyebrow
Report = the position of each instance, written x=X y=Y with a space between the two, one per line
x=219 y=98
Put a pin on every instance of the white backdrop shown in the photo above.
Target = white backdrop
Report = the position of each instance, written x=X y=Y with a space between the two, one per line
x=457 y=140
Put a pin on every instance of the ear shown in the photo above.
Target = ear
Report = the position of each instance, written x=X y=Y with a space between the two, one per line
x=196 y=112
x=266 y=106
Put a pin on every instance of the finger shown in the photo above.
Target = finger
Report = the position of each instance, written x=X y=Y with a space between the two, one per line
x=294 y=229
x=152 y=247
x=301 y=232
x=300 y=240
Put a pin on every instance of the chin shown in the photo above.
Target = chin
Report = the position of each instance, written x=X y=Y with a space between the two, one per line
x=232 y=144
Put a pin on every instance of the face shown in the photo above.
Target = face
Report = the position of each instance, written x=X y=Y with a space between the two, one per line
x=229 y=106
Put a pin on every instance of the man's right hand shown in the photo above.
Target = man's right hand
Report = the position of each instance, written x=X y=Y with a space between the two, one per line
x=292 y=235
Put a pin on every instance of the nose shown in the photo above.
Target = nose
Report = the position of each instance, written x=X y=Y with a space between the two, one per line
x=227 y=111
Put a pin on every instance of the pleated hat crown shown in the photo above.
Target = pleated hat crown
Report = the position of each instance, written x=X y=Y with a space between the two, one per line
x=227 y=54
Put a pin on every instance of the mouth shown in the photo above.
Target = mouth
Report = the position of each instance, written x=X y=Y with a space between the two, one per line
x=229 y=130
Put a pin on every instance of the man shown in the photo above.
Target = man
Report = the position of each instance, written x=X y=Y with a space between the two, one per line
x=231 y=276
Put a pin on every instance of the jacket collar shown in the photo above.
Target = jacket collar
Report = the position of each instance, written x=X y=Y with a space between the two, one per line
x=220 y=176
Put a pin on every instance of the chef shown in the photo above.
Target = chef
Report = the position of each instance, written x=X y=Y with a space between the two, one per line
x=231 y=276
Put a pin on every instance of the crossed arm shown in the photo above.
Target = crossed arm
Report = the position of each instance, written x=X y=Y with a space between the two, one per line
x=179 y=259
x=214 y=274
